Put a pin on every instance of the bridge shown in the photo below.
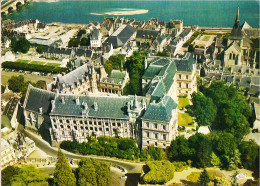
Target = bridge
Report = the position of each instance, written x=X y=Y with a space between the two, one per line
x=11 y=5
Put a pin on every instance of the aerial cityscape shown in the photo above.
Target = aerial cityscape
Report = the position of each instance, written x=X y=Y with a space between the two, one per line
x=130 y=93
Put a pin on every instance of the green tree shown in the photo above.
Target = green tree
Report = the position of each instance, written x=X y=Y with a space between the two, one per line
x=204 y=178
x=16 y=83
x=215 y=161
x=170 y=25
x=81 y=32
x=219 y=181
x=40 y=49
x=63 y=174
x=190 y=48
x=85 y=41
x=92 y=172
x=21 y=45
x=249 y=154
x=29 y=175
x=8 y=173
x=114 y=63
x=164 y=54
x=203 y=109
x=73 y=42
x=135 y=67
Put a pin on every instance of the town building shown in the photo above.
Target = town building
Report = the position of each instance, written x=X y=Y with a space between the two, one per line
x=121 y=36
x=7 y=154
x=95 y=38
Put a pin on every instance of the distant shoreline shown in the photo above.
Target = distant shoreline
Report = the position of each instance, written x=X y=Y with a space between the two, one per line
x=124 y=12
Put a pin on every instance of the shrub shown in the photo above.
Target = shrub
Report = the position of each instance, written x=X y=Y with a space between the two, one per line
x=159 y=172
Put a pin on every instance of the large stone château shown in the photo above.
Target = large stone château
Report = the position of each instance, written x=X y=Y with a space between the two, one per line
x=150 y=119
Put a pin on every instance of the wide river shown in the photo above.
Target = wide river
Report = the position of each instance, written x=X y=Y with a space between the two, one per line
x=204 y=13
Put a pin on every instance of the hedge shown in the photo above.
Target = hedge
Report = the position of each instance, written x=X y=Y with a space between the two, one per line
x=33 y=67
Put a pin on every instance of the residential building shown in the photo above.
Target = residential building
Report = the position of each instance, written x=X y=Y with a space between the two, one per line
x=7 y=154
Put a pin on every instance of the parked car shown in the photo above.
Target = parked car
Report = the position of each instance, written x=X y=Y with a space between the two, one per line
x=123 y=177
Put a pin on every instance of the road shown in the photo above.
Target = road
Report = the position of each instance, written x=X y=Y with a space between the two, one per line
x=133 y=169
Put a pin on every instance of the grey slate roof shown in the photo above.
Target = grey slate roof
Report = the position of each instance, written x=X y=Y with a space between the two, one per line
x=160 y=111
x=185 y=32
x=120 y=37
x=108 y=107
x=38 y=98
x=186 y=63
x=236 y=32
x=147 y=34
x=95 y=34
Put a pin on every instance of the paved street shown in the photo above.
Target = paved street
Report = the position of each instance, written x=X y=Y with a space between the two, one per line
x=133 y=169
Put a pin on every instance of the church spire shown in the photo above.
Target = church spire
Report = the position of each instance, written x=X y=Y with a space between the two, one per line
x=237 y=18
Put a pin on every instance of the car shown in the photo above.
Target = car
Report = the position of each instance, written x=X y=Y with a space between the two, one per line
x=123 y=177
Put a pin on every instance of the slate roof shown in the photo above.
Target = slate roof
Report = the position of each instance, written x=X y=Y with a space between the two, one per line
x=10 y=107
x=116 y=77
x=120 y=36
x=108 y=107
x=160 y=111
x=147 y=34
x=38 y=98
x=186 y=63
x=95 y=34
x=185 y=32
x=236 y=32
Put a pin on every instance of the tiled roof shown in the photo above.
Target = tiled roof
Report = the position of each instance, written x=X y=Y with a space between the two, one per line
x=160 y=111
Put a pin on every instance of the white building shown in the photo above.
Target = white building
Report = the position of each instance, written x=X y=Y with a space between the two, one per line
x=95 y=39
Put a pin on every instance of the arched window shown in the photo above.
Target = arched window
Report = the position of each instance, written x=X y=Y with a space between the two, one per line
x=230 y=56
x=234 y=56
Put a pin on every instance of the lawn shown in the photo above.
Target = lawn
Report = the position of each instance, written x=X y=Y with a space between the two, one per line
x=53 y=64
x=183 y=102
x=206 y=38
x=184 y=119
x=22 y=61
x=194 y=176
x=27 y=77
x=37 y=63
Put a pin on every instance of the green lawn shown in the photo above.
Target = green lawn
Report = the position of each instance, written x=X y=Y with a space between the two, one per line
x=22 y=61
x=206 y=38
x=53 y=64
x=27 y=77
x=183 y=102
x=37 y=63
x=184 y=119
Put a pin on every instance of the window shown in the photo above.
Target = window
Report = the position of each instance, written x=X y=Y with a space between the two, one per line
x=164 y=136
x=86 y=128
x=147 y=134
x=106 y=124
x=180 y=85
x=86 y=122
x=68 y=126
x=68 y=121
x=107 y=129
x=187 y=76
x=155 y=126
x=75 y=127
x=234 y=56
x=81 y=122
x=156 y=136
x=113 y=124
x=230 y=56
x=187 y=85
x=95 y=128
x=179 y=76
x=74 y=121
x=55 y=126
x=119 y=125
x=155 y=144
x=60 y=121
x=54 y=120
x=147 y=142
x=82 y=127
x=100 y=129
x=61 y=126
x=90 y=122
x=147 y=125
x=99 y=123
x=91 y=128
x=164 y=127
x=125 y=130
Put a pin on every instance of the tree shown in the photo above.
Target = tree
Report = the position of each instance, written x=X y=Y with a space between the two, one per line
x=219 y=181
x=215 y=161
x=135 y=67
x=249 y=154
x=81 y=32
x=63 y=174
x=8 y=173
x=114 y=63
x=40 y=49
x=16 y=83
x=21 y=45
x=73 y=42
x=164 y=54
x=93 y=172
x=29 y=175
x=203 y=109
x=170 y=25
x=204 y=178
x=190 y=48
x=85 y=41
